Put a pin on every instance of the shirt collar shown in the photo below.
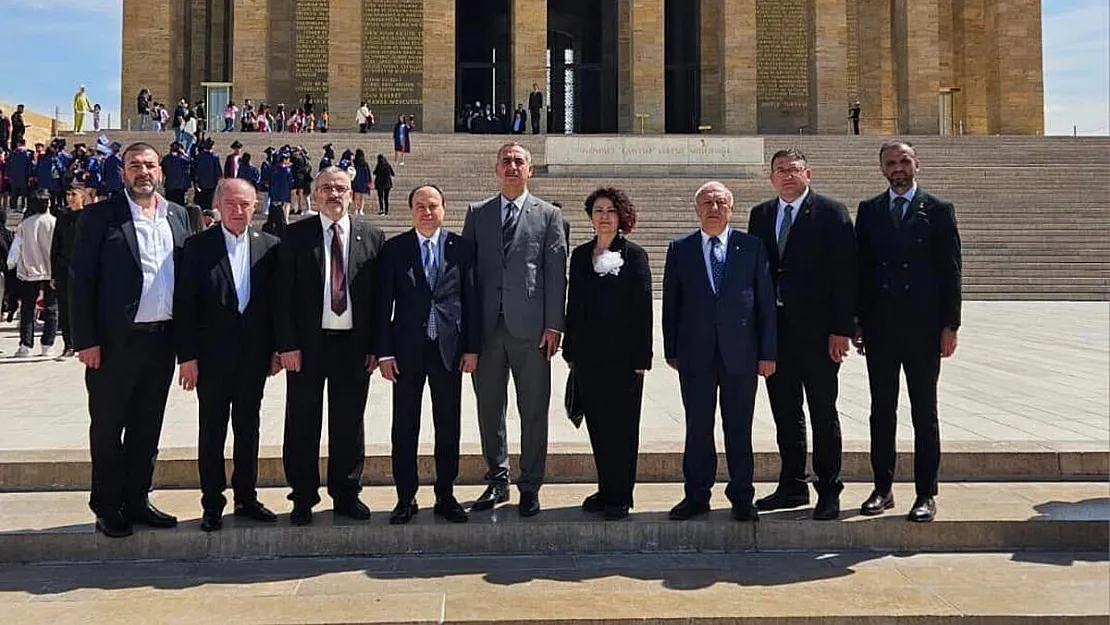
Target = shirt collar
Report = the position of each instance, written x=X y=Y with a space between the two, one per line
x=231 y=239
x=434 y=238
x=518 y=201
x=160 y=205
x=797 y=203
x=344 y=223
x=909 y=195
x=723 y=236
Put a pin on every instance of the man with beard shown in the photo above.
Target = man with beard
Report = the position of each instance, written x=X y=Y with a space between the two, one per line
x=178 y=170
x=122 y=284
x=909 y=314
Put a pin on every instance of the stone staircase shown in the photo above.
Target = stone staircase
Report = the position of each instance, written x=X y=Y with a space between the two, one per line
x=1025 y=235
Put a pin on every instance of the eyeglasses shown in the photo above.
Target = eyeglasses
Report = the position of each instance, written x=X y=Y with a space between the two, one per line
x=789 y=171
x=330 y=188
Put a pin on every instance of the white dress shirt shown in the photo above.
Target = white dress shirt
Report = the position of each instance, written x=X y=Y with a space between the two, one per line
x=518 y=202
x=908 y=195
x=155 y=239
x=722 y=252
x=797 y=204
x=330 y=320
x=239 y=256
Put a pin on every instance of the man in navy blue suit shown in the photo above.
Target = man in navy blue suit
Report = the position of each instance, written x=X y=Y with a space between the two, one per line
x=718 y=333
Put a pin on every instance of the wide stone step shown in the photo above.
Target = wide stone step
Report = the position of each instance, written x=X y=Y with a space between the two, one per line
x=800 y=588
x=53 y=527
x=40 y=470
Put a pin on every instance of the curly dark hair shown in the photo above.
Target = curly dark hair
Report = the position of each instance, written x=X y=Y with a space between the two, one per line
x=626 y=210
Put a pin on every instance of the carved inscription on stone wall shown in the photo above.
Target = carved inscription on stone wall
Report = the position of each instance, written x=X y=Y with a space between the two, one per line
x=393 y=54
x=782 y=64
x=853 y=49
x=310 y=69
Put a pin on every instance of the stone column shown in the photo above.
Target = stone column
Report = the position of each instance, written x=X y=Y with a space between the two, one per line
x=876 y=81
x=1019 y=63
x=972 y=50
x=922 y=66
x=146 y=63
x=344 y=63
x=250 y=51
x=712 y=93
x=528 y=22
x=738 y=58
x=829 y=100
x=439 y=66
x=642 y=76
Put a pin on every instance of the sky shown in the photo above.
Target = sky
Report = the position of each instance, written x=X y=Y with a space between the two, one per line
x=85 y=49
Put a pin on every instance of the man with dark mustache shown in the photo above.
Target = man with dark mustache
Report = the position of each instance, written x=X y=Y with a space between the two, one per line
x=122 y=285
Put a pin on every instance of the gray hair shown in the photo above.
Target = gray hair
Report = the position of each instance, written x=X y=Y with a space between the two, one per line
x=711 y=186
x=510 y=145
x=328 y=171
x=224 y=183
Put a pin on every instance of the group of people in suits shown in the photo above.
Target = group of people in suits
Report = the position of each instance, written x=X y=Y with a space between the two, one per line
x=333 y=301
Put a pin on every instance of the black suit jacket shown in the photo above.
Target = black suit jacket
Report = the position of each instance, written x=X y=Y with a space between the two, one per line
x=207 y=321
x=406 y=301
x=909 y=276
x=535 y=101
x=816 y=275
x=609 y=318
x=299 y=307
x=106 y=279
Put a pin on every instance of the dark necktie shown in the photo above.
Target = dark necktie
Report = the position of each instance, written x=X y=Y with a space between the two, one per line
x=508 y=228
x=338 y=275
x=897 y=211
x=431 y=272
x=716 y=264
x=784 y=228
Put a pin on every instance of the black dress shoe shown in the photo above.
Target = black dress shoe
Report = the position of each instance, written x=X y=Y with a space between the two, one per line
x=593 y=503
x=351 y=508
x=745 y=513
x=403 y=512
x=113 y=525
x=924 y=510
x=301 y=515
x=147 y=514
x=688 y=509
x=827 y=509
x=255 y=511
x=211 y=521
x=493 y=495
x=877 y=503
x=780 y=500
x=451 y=510
x=529 y=504
x=616 y=513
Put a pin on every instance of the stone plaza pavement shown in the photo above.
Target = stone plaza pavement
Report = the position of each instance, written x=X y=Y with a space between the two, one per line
x=1033 y=373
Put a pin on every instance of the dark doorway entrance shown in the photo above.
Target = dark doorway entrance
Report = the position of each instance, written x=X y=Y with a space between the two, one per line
x=482 y=58
x=582 y=66
x=682 y=61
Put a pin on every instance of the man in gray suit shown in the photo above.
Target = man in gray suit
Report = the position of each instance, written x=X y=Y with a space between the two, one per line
x=521 y=271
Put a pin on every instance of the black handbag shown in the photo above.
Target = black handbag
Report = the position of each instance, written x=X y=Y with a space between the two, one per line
x=572 y=401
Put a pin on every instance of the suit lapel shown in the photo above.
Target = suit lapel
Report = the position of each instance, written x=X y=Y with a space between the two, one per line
x=258 y=249
x=318 y=248
x=698 y=251
x=919 y=204
x=415 y=257
x=733 y=257
x=128 y=228
x=492 y=211
x=179 y=233
x=220 y=249
x=525 y=216
x=357 y=254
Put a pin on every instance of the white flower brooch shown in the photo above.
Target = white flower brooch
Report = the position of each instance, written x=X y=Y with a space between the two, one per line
x=608 y=263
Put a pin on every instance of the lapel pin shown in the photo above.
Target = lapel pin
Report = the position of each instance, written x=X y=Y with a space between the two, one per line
x=255 y=234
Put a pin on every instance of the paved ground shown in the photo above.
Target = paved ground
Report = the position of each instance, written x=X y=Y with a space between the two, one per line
x=1033 y=372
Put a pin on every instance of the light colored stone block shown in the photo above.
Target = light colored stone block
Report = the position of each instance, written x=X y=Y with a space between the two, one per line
x=439 y=66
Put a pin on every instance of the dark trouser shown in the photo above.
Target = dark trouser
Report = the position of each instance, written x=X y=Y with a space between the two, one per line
x=855 y=126
x=804 y=363
x=65 y=325
x=11 y=292
x=203 y=198
x=19 y=197
x=408 y=391
x=700 y=391
x=177 y=196
x=922 y=367
x=127 y=402
x=534 y=115
x=341 y=362
x=611 y=400
x=236 y=393
x=29 y=294
x=383 y=199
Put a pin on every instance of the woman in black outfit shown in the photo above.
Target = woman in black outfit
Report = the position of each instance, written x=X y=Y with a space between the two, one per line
x=608 y=345
x=383 y=182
